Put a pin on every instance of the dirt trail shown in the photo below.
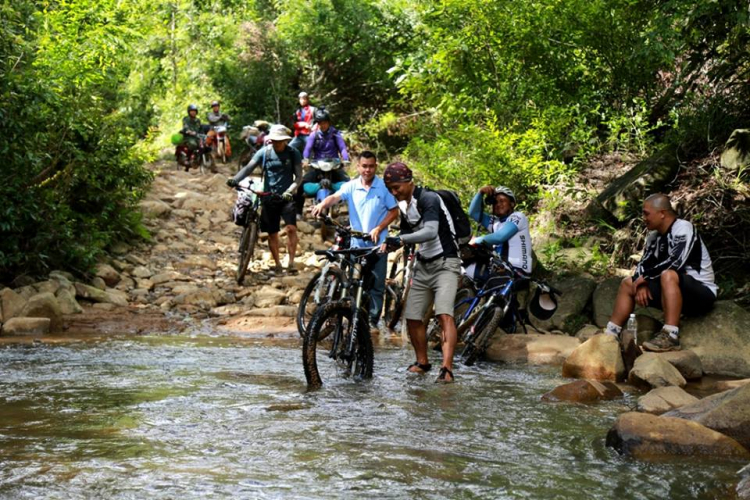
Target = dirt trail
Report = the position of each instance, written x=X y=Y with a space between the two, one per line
x=184 y=279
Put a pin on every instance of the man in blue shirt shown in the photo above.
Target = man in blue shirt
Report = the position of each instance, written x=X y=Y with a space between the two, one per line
x=371 y=209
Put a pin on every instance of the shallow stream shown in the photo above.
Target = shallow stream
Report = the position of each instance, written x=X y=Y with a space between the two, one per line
x=178 y=417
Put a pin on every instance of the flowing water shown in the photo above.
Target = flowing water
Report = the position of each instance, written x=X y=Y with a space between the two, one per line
x=178 y=417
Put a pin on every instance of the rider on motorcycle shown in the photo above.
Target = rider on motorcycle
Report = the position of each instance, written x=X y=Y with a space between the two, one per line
x=191 y=127
x=215 y=119
x=324 y=143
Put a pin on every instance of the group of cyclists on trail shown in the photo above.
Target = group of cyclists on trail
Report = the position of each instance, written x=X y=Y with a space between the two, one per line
x=198 y=142
x=463 y=286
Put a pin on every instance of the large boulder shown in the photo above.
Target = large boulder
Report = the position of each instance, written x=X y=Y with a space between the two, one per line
x=583 y=391
x=67 y=301
x=653 y=370
x=624 y=196
x=603 y=300
x=726 y=412
x=687 y=363
x=664 y=399
x=153 y=209
x=44 y=305
x=108 y=274
x=576 y=291
x=93 y=294
x=26 y=326
x=736 y=155
x=645 y=436
x=533 y=348
x=721 y=339
x=11 y=302
x=598 y=358
x=268 y=296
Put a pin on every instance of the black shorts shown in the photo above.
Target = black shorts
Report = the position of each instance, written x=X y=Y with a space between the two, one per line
x=697 y=299
x=273 y=211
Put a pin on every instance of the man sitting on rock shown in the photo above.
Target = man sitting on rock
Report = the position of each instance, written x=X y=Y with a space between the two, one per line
x=674 y=274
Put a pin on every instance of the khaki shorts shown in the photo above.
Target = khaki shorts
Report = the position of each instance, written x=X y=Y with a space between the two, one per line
x=433 y=281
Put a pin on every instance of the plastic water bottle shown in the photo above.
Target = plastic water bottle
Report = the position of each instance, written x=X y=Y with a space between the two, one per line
x=632 y=326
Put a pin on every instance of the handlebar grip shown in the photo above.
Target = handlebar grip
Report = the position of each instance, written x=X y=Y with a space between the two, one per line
x=321 y=252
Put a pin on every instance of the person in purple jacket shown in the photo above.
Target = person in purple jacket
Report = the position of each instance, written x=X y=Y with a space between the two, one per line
x=324 y=143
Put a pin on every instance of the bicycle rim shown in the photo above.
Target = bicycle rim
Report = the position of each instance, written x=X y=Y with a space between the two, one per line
x=478 y=340
x=333 y=324
x=326 y=291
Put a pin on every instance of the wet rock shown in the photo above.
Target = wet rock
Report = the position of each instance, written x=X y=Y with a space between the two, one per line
x=743 y=487
x=583 y=391
x=268 y=296
x=577 y=291
x=587 y=332
x=721 y=339
x=603 y=300
x=153 y=209
x=108 y=274
x=533 y=348
x=664 y=399
x=648 y=437
x=26 y=326
x=727 y=412
x=93 y=294
x=726 y=385
x=687 y=363
x=653 y=370
x=598 y=358
x=12 y=303
x=99 y=283
x=67 y=301
x=44 y=305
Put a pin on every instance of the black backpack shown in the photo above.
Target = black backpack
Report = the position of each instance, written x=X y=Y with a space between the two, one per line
x=461 y=224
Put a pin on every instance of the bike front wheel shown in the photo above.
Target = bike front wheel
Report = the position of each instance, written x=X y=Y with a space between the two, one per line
x=326 y=288
x=324 y=350
x=479 y=337
x=247 y=247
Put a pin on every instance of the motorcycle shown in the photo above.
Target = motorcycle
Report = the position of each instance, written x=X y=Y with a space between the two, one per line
x=199 y=157
x=222 y=142
x=253 y=136
x=326 y=168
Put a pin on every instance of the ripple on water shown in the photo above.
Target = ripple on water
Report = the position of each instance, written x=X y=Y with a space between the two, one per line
x=168 y=417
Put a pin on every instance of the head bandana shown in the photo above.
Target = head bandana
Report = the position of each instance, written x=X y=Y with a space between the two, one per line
x=397 y=172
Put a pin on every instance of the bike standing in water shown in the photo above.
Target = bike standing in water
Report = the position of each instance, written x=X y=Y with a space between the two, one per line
x=371 y=210
x=281 y=167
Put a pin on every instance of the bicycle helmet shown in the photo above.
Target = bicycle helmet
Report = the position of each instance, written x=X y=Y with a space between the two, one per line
x=192 y=107
x=490 y=199
x=214 y=103
x=544 y=303
x=321 y=115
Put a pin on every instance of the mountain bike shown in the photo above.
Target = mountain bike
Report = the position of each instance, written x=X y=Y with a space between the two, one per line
x=325 y=285
x=398 y=284
x=249 y=237
x=494 y=305
x=337 y=341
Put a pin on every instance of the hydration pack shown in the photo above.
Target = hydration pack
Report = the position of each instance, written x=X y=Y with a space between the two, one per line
x=461 y=223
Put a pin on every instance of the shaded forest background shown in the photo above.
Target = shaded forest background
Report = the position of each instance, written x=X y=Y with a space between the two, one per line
x=547 y=96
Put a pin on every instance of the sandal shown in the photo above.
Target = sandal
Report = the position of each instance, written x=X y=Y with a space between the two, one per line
x=292 y=271
x=425 y=368
x=442 y=376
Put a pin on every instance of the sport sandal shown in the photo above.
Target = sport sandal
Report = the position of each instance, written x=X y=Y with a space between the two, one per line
x=424 y=367
x=441 y=379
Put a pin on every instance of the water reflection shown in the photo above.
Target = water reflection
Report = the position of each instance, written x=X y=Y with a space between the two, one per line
x=168 y=417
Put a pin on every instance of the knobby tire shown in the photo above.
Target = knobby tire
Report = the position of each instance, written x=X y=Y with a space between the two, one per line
x=485 y=328
x=303 y=318
x=247 y=247
x=319 y=338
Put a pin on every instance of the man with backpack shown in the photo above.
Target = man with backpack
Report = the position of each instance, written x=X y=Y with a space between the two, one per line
x=281 y=167
x=427 y=220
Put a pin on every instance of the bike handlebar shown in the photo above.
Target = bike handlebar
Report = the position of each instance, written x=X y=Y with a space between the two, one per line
x=262 y=194
x=344 y=229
